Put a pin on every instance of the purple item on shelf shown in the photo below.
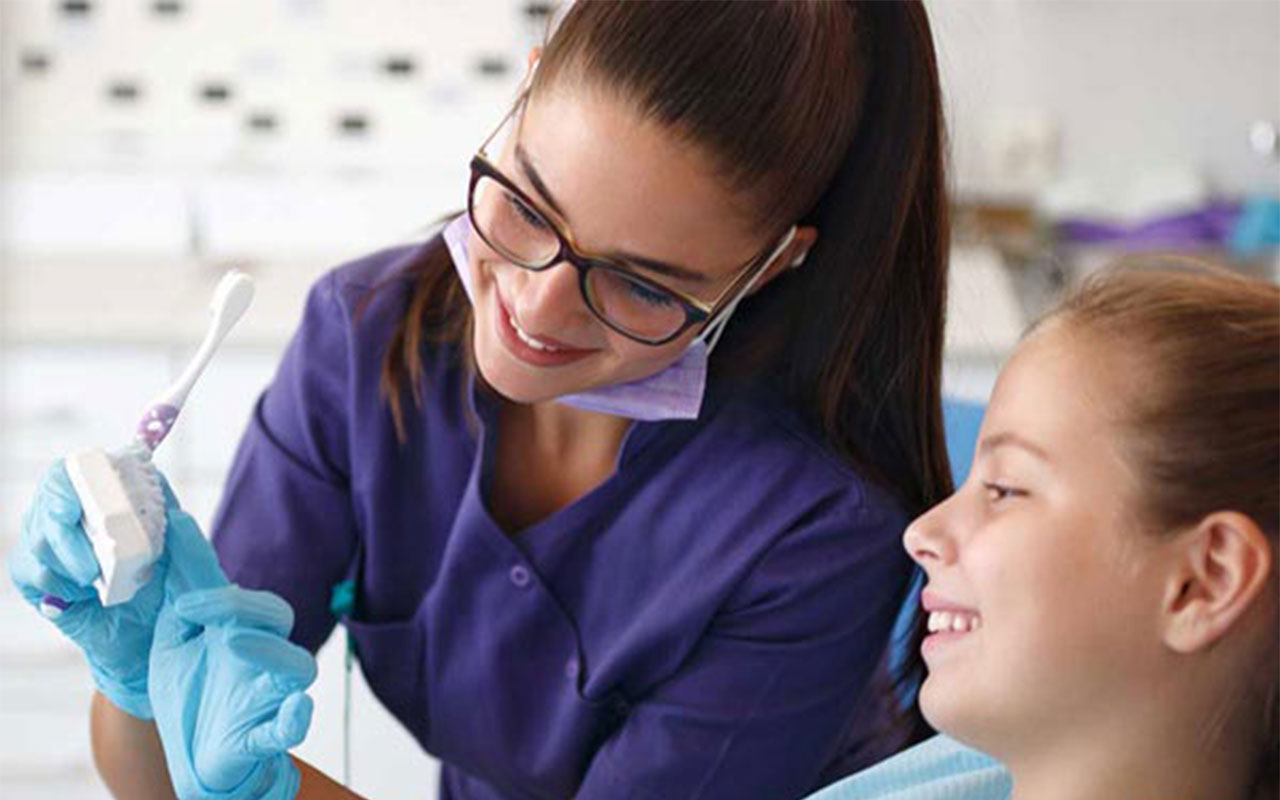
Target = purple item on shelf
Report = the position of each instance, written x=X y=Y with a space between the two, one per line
x=1209 y=226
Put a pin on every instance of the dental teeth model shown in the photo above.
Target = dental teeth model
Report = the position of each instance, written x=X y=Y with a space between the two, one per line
x=120 y=492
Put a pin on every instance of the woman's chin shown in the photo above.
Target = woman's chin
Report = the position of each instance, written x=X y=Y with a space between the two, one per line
x=506 y=379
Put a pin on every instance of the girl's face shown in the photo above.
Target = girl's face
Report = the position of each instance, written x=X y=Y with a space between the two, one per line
x=1047 y=588
x=622 y=186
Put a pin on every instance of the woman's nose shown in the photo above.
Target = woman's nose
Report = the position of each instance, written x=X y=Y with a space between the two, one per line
x=928 y=539
x=549 y=299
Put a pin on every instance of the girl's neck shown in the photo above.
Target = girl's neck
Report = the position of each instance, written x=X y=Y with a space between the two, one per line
x=1157 y=757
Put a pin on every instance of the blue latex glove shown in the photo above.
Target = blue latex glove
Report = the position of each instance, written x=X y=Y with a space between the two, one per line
x=227 y=686
x=54 y=557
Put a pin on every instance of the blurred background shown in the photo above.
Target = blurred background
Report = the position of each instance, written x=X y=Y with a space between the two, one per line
x=148 y=145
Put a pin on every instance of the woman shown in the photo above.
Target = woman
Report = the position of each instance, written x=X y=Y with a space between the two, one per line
x=1102 y=589
x=587 y=560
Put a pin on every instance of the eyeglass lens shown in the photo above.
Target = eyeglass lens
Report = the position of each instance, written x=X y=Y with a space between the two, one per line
x=520 y=233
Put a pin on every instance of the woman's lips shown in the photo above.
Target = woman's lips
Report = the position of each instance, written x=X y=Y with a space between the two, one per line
x=530 y=353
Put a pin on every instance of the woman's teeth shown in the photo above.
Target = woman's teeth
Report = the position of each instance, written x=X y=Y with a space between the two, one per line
x=529 y=340
x=958 y=621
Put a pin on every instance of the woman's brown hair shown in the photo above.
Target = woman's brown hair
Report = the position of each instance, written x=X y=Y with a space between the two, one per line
x=823 y=113
x=1203 y=434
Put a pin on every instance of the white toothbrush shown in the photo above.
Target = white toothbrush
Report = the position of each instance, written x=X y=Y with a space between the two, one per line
x=120 y=492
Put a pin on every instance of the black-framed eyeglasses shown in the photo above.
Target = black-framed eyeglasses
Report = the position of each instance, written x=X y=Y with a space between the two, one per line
x=631 y=304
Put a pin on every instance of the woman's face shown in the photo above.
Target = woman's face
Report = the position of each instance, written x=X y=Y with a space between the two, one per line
x=1046 y=586
x=624 y=186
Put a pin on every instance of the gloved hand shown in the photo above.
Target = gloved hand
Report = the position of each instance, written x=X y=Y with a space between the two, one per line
x=226 y=684
x=54 y=557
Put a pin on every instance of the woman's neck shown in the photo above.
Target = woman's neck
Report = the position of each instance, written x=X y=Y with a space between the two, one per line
x=547 y=457
x=559 y=432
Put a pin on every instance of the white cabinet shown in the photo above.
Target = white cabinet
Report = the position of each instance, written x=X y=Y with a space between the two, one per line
x=56 y=399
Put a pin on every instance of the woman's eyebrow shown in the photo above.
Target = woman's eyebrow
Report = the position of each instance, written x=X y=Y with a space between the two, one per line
x=526 y=164
x=660 y=267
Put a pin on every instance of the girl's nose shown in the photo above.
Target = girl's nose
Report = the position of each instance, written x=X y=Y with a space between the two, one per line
x=928 y=540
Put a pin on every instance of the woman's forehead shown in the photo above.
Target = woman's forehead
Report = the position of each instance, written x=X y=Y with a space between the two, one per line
x=624 y=183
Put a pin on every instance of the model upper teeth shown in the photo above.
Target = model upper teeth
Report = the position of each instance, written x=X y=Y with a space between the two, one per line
x=954 y=620
x=529 y=340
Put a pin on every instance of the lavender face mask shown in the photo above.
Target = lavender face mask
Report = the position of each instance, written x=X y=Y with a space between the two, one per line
x=674 y=393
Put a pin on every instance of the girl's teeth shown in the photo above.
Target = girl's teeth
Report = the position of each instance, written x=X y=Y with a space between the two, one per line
x=529 y=340
x=955 y=621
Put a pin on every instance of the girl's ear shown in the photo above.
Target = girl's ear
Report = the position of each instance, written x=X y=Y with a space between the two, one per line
x=1220 y=568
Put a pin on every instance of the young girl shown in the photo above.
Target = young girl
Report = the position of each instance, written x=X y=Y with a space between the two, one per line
x=1102 y=591
x=590 y=557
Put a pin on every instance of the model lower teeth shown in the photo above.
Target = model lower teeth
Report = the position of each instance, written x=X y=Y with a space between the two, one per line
x=529 y=340
x=955 y=621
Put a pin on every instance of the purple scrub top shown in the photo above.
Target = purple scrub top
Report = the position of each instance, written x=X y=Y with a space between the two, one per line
x=706 y=623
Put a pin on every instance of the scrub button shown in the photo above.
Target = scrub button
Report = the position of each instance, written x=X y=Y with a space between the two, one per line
x=520 y=575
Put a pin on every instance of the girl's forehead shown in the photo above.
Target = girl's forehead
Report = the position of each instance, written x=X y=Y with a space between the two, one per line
x=1059 y=390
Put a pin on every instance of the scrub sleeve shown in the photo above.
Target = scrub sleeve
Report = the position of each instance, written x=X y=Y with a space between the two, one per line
x=707 y=623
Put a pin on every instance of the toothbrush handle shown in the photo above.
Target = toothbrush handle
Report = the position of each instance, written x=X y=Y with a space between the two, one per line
x=176 y=394
x=163 y=412
x=155 y=424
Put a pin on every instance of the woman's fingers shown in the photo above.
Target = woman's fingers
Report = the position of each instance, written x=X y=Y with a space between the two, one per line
x=284 y=731
x=35 y=579
x=193 y=564
x=58 y=496
x=51 y=530
x=232 y=606
x=284 y=666
x=65 y=549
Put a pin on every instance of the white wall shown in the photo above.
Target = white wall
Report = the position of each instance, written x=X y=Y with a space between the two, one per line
x=1132 y=87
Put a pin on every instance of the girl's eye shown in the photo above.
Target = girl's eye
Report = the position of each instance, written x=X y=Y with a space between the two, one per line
x=997 y=492
x=646 y=295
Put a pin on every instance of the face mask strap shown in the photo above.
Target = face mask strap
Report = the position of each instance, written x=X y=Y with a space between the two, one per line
x=711 y=336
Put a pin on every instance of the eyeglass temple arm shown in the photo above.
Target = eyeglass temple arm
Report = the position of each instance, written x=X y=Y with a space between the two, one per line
x=720 y=317
x=484 y=146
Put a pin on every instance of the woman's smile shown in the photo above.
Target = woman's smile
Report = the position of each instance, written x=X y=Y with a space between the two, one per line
x=539 y=351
